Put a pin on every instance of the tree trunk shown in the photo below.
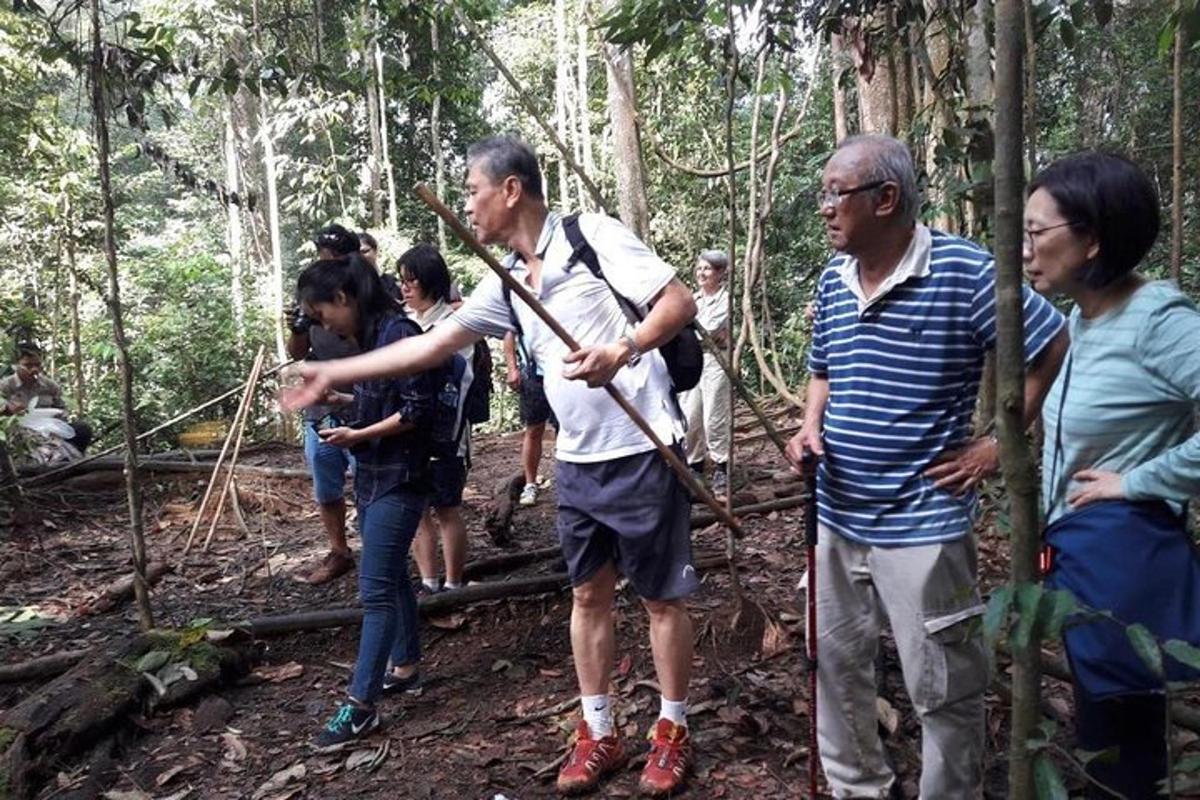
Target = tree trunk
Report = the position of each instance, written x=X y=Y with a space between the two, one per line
x=1016 y=459
x=981 y=145
x=234 y=231
x=561 y=78
x=389 y=170
x=76 y=345
x=837 y=65
x=1030 y=104
x=584 y=112
x=876 y=84
x=267 y=136
x=627 y=147
x=435 y=128
x=375 y=162
x=1177 y=150
x=132 y=485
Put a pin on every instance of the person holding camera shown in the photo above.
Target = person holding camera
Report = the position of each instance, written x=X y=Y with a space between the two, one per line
x=327 y=463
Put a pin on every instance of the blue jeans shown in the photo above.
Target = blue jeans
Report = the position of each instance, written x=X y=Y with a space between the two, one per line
x=390 y=625
x=328 y=465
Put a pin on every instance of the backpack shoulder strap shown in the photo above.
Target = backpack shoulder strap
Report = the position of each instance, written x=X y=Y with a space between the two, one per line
x=515 y=323
x=582 y=250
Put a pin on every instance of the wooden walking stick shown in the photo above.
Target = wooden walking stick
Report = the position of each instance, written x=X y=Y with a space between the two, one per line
x=519 y=289
x=808 y=464
x=229 y=437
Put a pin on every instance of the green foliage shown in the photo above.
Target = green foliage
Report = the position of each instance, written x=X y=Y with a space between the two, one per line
x=1046 y=779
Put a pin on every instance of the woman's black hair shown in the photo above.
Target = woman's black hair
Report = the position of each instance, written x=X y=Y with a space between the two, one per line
x=321 y=281
x=426 y=265
x=337 y=239
x=367 y=239
x=1109 y=197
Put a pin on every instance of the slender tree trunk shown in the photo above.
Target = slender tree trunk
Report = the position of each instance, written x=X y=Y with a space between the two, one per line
x=389 y=169
x=837 y=64
x=1016 y=458
x=981 y=145
x=731 y=355
x=76 y=346
x=133 y=486
x=267 y=136
x=435 y=129
x=1177 y=152
x=375 y=162
x=561 y=79
x=1030 y=105
x=233 y=233
x=56 y=313
x=584 y=112
x=627 y=146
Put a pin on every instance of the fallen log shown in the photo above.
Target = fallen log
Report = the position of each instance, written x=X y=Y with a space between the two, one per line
x=704 y=519
x=48 y=666
x=168 y=466
x=508 y=561
x=121 y=590
x=82 y=717
x=498 y=522
x=432 y=605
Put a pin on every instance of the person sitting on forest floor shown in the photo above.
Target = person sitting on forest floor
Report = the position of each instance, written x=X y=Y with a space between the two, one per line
x=327 y=463
x=390 y=437
x=621 y=509
x=425 y=284
x=904 y=318
x=29 y=387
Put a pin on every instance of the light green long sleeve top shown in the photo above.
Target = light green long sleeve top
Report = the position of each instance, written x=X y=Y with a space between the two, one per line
x=1131 y=402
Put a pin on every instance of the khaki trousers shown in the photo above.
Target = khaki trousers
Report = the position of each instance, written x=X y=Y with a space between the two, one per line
x=930 y=597
x=707 y=410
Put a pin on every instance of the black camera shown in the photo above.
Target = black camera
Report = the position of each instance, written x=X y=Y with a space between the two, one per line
x=297 y=321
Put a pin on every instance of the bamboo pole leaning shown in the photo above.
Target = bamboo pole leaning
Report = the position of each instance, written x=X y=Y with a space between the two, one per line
x=237 y=448
x=212 y=481
x=676 y=464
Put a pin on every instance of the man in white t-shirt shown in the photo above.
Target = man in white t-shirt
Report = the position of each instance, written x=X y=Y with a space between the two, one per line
x=620 y=507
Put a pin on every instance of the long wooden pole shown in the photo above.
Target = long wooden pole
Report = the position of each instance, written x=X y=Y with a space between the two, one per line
x=673 y=461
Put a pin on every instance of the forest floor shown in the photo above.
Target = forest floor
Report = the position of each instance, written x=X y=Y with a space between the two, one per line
x=498 y=704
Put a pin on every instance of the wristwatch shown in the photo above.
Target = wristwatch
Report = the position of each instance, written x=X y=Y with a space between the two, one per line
x=635 y=353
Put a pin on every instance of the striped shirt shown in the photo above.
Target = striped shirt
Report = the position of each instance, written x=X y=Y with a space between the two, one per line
x=904 y=369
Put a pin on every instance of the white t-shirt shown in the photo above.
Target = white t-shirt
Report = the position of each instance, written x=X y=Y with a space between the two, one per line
x=592 y=427
x=712 y=310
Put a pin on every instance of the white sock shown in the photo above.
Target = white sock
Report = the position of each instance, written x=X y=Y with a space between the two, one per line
x=431 y=584
x=674 y=710
x=597 y=713
x=453 y=584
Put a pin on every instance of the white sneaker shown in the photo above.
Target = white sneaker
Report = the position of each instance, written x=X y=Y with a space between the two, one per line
x=528 y=495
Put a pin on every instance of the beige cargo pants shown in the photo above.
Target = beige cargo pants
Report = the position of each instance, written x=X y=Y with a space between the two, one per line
x=707 y=409
x=930 y=597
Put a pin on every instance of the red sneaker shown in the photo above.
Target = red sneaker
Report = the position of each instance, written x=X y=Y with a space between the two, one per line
x=669 y=761
x=589 y=761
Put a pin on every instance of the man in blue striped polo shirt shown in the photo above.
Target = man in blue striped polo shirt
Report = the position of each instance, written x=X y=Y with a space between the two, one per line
x=904 y=316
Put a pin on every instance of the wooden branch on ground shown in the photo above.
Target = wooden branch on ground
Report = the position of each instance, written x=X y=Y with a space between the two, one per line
x=48 y=666
x=183 y=468
x=508 y=561
x=120 y=590
x=704 y=519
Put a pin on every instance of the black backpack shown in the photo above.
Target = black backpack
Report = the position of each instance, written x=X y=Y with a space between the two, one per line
x=683 y=353
x=477 y=405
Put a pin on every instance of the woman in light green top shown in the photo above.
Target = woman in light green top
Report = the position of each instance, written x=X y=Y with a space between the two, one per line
x=1119 y=432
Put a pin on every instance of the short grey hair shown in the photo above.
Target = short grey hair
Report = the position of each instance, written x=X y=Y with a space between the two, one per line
x=715 y=259
x=889 y=159
x=502 y=156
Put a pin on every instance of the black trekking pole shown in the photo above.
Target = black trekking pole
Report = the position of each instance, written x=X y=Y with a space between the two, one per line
x=808 y=465
x=676 y=464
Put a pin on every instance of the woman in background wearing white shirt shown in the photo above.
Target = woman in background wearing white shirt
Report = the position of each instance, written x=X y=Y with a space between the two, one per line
x=707 y=406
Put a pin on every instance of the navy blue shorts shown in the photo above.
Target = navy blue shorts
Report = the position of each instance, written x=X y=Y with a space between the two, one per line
x=534 y=407
x=449 y=476
x=630 y=511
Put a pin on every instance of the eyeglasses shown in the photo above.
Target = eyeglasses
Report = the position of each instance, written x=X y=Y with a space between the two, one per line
x=408 y=280
x=1031 y=234
x=833 y=197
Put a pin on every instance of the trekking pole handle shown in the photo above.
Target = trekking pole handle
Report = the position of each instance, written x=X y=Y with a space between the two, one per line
x=808 y=467
x=518 y=288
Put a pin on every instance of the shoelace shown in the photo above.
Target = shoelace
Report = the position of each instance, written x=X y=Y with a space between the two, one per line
x=342 y=717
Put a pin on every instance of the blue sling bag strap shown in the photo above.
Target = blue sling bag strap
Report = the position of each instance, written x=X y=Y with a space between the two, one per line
x=1135 y=560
